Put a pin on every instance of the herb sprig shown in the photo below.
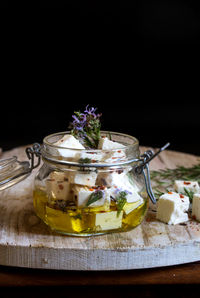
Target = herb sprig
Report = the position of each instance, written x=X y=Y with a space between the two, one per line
x=86 y=127
x=94 y=197
x=121 y=201
x=179 y=173
x=189 y=193
x=164 y=179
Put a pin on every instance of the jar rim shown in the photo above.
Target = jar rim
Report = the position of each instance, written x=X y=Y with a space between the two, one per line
x=130 y=151
x=46 y=142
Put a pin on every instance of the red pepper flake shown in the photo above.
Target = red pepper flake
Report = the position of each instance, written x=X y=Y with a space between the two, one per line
x=114 y=157
x=170 y=193
x=91 y=189
x=102 y=187
x=61 y=187
x=182 y=196
x=187 y=183
x=119 y=151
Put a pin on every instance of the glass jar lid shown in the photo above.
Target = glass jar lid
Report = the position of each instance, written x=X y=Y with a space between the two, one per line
x=12 y=171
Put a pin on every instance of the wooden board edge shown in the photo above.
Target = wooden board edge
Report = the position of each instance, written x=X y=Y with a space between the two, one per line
x=98 y=260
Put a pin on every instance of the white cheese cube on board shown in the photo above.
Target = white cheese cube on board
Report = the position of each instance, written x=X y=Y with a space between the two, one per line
x=69 y=142
x=193 y=186
x=196 y=207
x=172 y=208
x=58 y=186
x=81 y=178
x=108 y=220
x=82 y=195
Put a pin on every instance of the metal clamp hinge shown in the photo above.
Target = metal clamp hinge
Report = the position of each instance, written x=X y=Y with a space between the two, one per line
x=143 y=168
x=31 y=152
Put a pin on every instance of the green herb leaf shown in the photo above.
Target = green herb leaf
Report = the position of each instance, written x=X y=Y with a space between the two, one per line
x=84 y=160
x=95 y=196
x=179 y=173
x=189 y=193
x=165 y=178
x=78 y=216
x=121 y=201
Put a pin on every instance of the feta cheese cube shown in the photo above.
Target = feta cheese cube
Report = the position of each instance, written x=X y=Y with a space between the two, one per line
x=172 y=208
x=93 y=156
x=58 y=186
x=110 y=178
x=115 y=150
x=180 y=186
x=129 y=207
x=106 y=144
x=108 y=220
x=196 y=207
x=69 y=142
x=82 y=195
x=131 y=197
x=82 y=178
x=123 y=184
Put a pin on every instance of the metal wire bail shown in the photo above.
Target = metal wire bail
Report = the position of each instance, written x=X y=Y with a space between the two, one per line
x=143 y=168
x=31 y=152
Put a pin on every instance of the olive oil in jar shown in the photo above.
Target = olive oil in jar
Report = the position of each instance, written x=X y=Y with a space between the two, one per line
x=87 y=221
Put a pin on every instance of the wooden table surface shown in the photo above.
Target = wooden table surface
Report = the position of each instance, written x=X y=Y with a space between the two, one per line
x=16 y=282
x=178 y=275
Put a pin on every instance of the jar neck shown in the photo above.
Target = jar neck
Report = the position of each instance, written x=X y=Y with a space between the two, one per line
x=63 y=156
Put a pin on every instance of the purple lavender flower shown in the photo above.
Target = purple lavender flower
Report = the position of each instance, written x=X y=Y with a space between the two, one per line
x=86 y=127
x=76 y=120
x=90 y=111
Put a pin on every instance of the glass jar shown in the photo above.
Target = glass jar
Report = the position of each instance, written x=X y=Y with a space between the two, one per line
x=86 y=192
x=91 y=192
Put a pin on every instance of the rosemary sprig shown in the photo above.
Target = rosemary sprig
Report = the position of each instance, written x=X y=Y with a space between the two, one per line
x=86 y=127
x=78 y=216
x=189 y=193
x=121 y=201
x=95 y=196
x=179 y=173
x=85 y=160
x=163 y=179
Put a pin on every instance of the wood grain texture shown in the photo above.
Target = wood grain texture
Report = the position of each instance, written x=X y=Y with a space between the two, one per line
x=25 y=241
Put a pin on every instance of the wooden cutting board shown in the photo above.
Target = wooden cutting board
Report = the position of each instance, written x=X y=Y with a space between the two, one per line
x=25 y=241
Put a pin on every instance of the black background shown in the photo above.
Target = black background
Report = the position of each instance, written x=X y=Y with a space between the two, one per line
x=136 y=61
